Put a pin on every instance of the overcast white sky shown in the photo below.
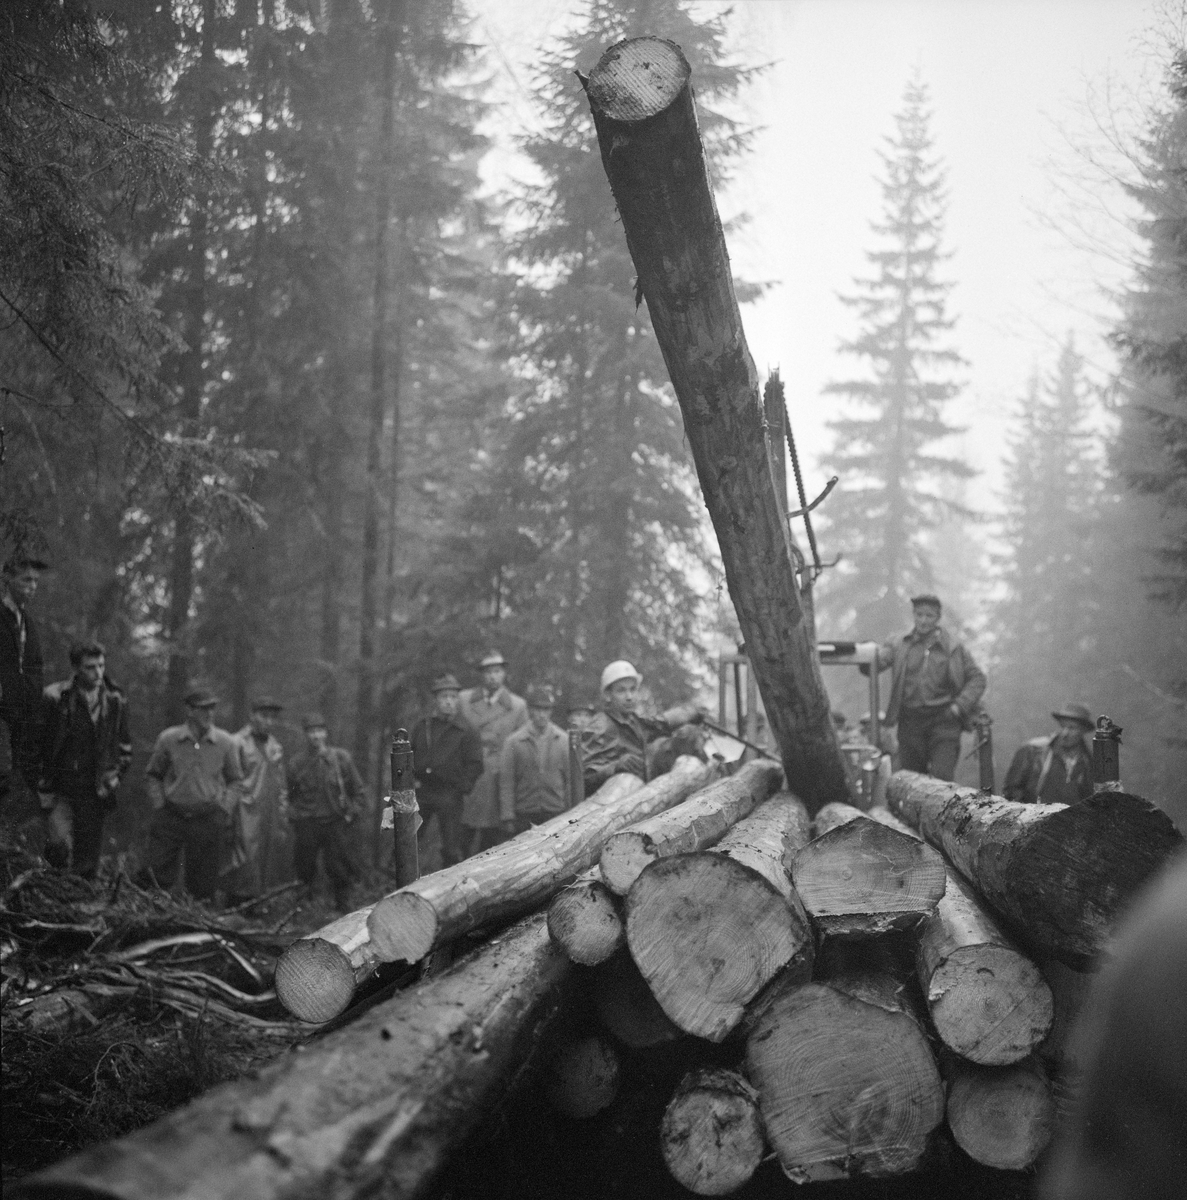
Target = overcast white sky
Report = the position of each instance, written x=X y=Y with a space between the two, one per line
x=1009 y=79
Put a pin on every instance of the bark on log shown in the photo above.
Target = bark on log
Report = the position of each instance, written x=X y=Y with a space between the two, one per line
x=711 y=1135
x=846 y=1079
x=698 y=822
x=860 y=878
x=988 y=1001
x=1059 y=875
x=317 y=975
x=1002 y=1117
x=642 y=106
x=519 y=874
x=627 y=1008
x=584 y=920
x=373 y=1109
x=583 y=1077
x=710 y=930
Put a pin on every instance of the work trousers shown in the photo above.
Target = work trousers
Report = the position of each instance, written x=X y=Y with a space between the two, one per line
x=447 y=808
x=929 y=741
x=74 y=834
x=195 y=836
x=331 y=838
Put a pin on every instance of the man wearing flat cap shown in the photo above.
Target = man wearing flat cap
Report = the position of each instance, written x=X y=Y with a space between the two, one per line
x=261 y=848
x=22 y=677
x=193 y=779
x=494 y=713
x=325 y=800
x=447 y=754
x=534 y=767
x=1055 y=768
x=935 y=688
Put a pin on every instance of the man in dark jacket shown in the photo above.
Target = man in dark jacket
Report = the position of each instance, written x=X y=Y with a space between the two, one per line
x=1057 y=768
x=325 y=798
x=86 y=751
x=935 y=688
x=448 y=762
x=21 y=677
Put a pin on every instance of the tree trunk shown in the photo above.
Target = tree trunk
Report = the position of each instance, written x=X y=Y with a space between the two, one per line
x=860 y=878
x=696 y=823
x=1058 y=875
x=643 y=110
x=1002 y=1117
x=712 y=1135
x=846 y=1079
x=710 y=930
x=584 y=920
x=583 y=1077
x=626 y=1006
x=988 y=1001
x=375 y=1108
x=317 y=975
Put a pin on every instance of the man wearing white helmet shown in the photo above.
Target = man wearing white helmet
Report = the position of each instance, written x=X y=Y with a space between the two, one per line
x=616 y=739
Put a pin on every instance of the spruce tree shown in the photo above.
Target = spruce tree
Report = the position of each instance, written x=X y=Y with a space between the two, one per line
x=892 y=474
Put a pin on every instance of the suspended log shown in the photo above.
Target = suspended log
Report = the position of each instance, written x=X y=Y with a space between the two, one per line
x=1002 y=1117
x=709 y=930
x=859 y=878
x=583 y=1077
x=1059 y=875
x=696 y=823
x=847 y=1083
x=584 y=920
x=374 y=1108
x=318 y=976
x=711 y=1135
x=626 y=1007
x=640 y=96
x=988 y=1001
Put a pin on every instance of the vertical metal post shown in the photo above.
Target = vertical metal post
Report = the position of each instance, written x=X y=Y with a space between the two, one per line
x=576 y=769
x=404 y=811
x=722 y=668
x=984 y=726
x=751 y=703
x=1106 y=756
x=739 y=710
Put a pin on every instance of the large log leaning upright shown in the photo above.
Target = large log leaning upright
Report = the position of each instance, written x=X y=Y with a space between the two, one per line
x=373 y=1109
x=651 y=148
x=517 y=875
x=1059 y=874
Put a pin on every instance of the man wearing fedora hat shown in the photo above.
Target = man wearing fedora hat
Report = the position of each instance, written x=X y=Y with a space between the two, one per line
x=261 y=849
x=494 y=713
x=1055 y=768
x=448 y=762
x=534 y=767
x=193 y=779
x=22 y=677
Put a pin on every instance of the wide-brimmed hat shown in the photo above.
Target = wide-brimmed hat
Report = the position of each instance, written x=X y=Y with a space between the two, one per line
x=20 y=562
x=266 y=704
x=446 y=683
x=1076 y=712
x=927 y=598
x=540 y=695
x=492 y=658
x=313 y=720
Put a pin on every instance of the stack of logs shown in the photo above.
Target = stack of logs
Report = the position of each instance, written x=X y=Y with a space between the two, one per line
x=829 y=999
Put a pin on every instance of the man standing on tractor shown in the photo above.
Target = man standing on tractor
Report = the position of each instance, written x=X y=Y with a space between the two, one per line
x=935 y=688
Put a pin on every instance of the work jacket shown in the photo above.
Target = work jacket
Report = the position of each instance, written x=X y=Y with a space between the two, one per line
x=323 y=786
x=22 y=677
x=951 y=675
x=534 y=773
x=494 y=719
x=608 y=739
x=196 y=775
x=261 y=848
x=1039 y=773
x=78 y=752
x=447 y=757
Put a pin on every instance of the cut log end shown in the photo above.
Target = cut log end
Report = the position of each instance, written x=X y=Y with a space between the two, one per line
x=403 y=927
x=583 y=1077
x=638 y=79
x=712 y=1135
x=625 y=856
x=708 y=933
x=1001 y=1117
x=990 y=1004
x=314 y=980
x=585 y=923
